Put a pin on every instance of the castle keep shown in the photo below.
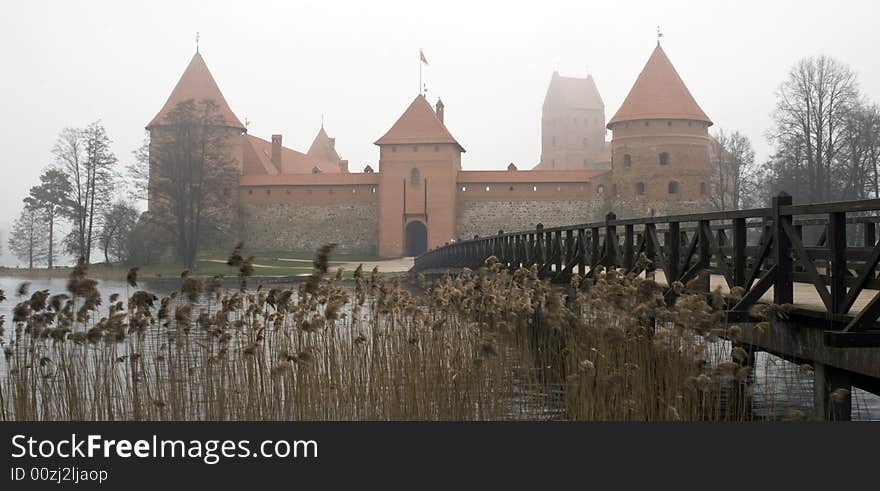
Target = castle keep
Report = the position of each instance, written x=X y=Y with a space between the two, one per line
x=419 y=197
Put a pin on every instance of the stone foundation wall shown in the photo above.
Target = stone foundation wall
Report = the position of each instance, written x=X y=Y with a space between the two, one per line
x=485 y=218
x=279 y=227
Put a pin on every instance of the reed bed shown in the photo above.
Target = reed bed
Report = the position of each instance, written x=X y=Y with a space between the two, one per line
x=489 y=344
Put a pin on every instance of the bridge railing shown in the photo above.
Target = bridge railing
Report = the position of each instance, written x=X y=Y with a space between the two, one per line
x=831 y=246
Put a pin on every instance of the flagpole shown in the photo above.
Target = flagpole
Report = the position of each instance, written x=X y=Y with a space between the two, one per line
x=420 y=71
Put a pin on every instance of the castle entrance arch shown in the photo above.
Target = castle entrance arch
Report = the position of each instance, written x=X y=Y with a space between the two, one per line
x=416 y=234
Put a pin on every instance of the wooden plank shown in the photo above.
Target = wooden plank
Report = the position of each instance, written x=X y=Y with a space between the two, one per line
x=757 y=291
x=860 y=339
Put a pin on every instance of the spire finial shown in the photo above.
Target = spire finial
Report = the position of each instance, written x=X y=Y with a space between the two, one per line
x=659 y=35
x=197 y=41
x=322 y=121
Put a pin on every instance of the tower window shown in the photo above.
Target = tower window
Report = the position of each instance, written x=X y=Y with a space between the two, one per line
x=703 y=188
x=373 y=189
x=627 y=160
x=664 y=158
x=436 y=148
x=585 y=143
x=488 y=189
x=669 y=123
x=464 y=189
x=640 y=188
x=600 y=189
x=415 y=176
x=415 y=148
x=268 y=191
x=673 y=187
x=534 y=188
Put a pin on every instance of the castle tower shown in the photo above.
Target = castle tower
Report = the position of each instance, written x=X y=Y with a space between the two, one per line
x=572 y=125
x=419 y=162
x=660 y=143
x=324 y=148
x=197 y=85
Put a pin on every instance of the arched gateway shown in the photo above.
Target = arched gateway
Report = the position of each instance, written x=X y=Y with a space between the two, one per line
x=416 y=238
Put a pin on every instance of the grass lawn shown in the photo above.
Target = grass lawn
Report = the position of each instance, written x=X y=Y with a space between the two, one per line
x=271 y=263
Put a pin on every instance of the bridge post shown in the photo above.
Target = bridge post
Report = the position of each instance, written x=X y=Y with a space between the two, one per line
x=739 y=251
x=705 y=231
x=582 y=249
x=557 y=251
x=832 y=393
x=673 y=252
x=569 y=248
x=783 y=287
x=869 y=234
x=628 y=237
x=611 y=240
x=594 y=248
x=539 y=246
x=650 y=251
x=839 y=272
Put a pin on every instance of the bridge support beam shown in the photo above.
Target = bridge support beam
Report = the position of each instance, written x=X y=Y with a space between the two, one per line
x=832 y=393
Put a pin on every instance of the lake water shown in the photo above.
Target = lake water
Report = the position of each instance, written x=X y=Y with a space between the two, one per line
x=779 y=388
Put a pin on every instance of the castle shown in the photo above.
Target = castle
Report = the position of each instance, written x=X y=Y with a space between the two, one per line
x=419 y=197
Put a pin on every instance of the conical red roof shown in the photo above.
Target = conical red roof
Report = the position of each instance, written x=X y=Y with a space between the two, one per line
x=197 y=84
x=418 y=124
x=659 y=93
x=323 y=148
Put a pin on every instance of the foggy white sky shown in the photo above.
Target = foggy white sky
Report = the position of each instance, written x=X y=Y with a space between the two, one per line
x=281 y=64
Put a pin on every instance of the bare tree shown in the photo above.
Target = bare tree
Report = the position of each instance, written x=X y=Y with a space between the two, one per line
x=858 y=164
x=27 y=239
x=117 y=224
x=191 y=176
x=812 y=108
x=84 y=155
x=732 y=170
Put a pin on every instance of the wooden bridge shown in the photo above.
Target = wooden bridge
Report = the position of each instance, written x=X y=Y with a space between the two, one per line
x=820 y=258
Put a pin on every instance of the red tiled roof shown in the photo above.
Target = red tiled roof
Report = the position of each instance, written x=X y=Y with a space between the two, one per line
x=197 y=84
x=418 y=124
x=348 y=178
x=580 y=93
x=528 y=176
x=659 y=93
x=258 y=155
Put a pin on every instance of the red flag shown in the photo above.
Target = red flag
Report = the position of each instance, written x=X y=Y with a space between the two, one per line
x=422 y=56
